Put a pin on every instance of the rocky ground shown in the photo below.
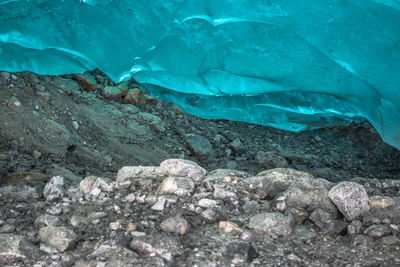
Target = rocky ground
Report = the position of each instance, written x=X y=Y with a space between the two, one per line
x=255 y=196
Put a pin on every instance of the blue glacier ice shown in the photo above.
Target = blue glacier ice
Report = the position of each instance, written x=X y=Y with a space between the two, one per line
x=284 y=63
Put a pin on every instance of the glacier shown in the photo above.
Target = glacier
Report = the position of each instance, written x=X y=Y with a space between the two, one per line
x=289 y=64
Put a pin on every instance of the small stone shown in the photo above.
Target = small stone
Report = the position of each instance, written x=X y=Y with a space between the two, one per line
x=181 y=167
x=130 y=198
x=165 y=246
x=237 y=146
x=220 y=193
x=270 y=160
x=378 y=231
x=115 y=226
x=54 y=189
x=86 y=81
x=78 y=221
x=210 y=215
x=61 y=238
x=199 y=144
x=354 y=227
x=179 y=186
x=241 y=253
x=273 y=224
x=160 y=204
x=207 y=203
x=228 y=226
x=175 y=225
x=134 y=97
x=246 y=236
x=351 y=199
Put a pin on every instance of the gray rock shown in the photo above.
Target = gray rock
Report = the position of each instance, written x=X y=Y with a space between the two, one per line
x=199 y=144
x=160 y=204
x=241 y=253
x=390 y=213
x=378 y=231
x=211 y=215
x=13 y=247
x=207 y=203
x=60 y=137
x=54 y=189
x=220 y=193
x=112 y=250
x=69 y=177
x=47 y=220
x=270 y=160
x=351 y=199
x=130 y=172
x=273 y=224
x=220 y=174
x=112 y=93
x=327 y=223
x=237 y=146
x=354 y=227
x=165 y=246
x=78 y=221
x=179 y=186
x=60 y=238
x=181 y=167
x=175 y=225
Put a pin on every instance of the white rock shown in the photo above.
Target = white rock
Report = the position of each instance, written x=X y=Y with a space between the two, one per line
x=207 y=203
x=127 y=172
x=182 y=167
x=351 y=199
x=175 y=185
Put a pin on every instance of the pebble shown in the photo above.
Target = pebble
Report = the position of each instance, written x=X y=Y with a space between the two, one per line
x=182 y=167
x=273 y=224
x=175 y=225
x=60 y=238
x=179 y=186
x=207 y=203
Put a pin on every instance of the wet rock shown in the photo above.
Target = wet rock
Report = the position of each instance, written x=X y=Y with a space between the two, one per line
x=14 y=247
x=241 y=253
x=112 y=93
x=165 y=246
x=181 y=167
x=378 y=231
x=270 y=160
x=175 y=225
x=134 y=97
x=390 y=214
x=54 y=189
x=47 y=220
x=199 y=144
x=179 y=186
x=272 y=224
x=60 y=238
x=351 y=199
x=86 y=81
x=129 y=172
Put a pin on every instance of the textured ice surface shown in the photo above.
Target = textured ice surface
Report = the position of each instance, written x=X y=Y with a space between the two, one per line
x=284 y=63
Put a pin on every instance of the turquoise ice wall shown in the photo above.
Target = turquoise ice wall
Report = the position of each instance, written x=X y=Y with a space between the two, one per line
x=284 y=63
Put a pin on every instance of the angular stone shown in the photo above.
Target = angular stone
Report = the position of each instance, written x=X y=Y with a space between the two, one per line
x=112 y=250
x=86 y=81
x=112 y=92
x=270 y=160
x=165 y=246
x=175 y=225
x=60 y=238
x=175 y=185
x=390 y=213
x=199 y=144
x=128 y=172
x=272 y=224
x=351 y=199
x=54 y=189
x=181 y=167
x=134 y=97
x=378 y=231
x=47 y=220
